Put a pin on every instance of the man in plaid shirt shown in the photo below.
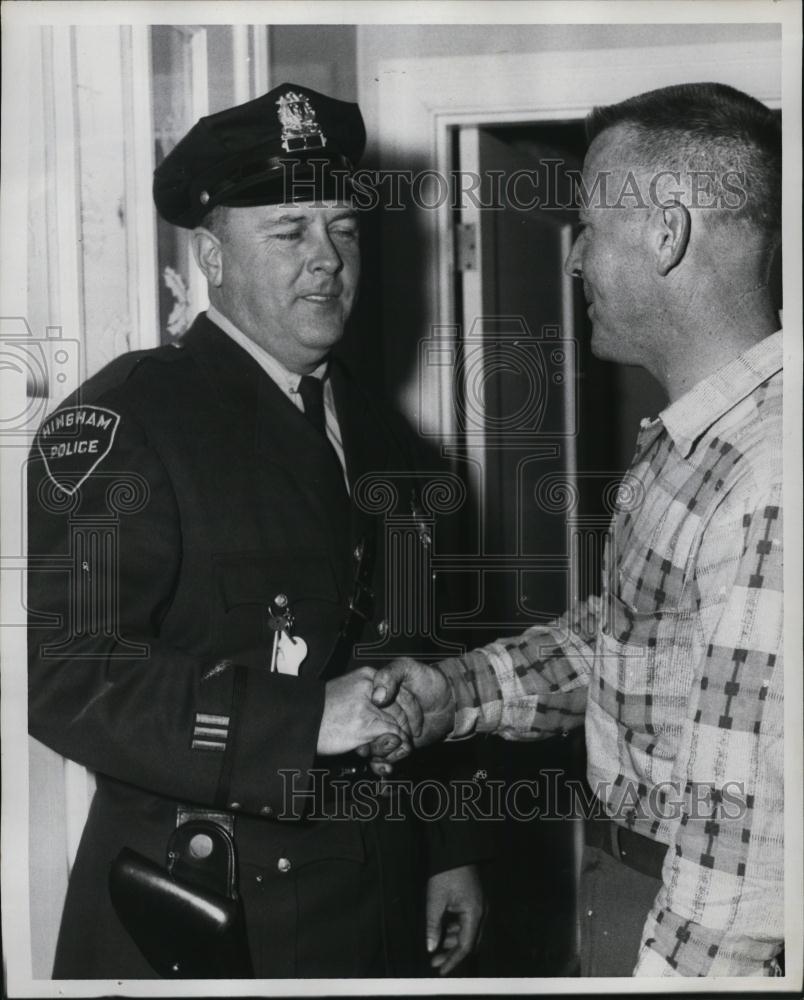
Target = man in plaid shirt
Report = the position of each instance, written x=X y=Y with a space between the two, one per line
x=676 y=669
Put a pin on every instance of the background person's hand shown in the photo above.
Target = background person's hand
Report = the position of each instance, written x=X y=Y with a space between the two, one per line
x=351 y=719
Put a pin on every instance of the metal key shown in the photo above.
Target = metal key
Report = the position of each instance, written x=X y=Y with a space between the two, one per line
x=280 y=619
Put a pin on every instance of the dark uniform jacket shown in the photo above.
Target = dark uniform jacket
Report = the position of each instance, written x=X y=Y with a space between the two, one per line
x=170 y=501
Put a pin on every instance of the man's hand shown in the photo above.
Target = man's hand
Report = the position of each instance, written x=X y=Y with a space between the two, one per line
x=455 y=911
x=423 y=693
x=350 y=718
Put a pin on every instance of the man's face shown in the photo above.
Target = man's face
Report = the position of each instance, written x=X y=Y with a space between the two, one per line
x=611 y=255
x=289 y=277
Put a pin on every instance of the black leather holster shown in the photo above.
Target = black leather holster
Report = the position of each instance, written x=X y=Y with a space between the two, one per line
x=187 y=919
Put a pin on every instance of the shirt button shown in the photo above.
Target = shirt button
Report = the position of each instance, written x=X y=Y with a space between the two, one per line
x=382 y=628
x=283 y=865
x=234 y=805
x=266 y=811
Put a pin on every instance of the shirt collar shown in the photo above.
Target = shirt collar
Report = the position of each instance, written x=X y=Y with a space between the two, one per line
x=287 y=380
x=693 y=413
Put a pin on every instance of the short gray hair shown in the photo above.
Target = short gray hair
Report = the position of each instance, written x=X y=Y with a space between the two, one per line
x=712 y=129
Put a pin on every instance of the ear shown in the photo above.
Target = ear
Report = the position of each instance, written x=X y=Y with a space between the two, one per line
x=208 y=255
x=673 y=234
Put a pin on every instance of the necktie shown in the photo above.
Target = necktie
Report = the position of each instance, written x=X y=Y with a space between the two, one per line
x=311 y=390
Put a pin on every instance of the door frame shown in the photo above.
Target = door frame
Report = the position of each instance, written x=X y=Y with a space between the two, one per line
x=422 y=99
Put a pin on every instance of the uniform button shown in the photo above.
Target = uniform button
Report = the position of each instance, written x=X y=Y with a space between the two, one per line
x=382 y=628
x=201 y=845
x=234 y=805
x=266 y=811
x=283 y=865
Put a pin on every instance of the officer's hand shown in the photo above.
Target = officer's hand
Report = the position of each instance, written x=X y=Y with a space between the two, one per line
x=455 y=912
x=423 y=693
x=351 y=719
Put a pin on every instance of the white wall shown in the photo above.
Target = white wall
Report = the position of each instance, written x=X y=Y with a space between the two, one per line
x=376 y=43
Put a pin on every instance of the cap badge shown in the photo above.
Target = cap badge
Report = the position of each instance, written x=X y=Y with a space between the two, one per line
x=300 y=130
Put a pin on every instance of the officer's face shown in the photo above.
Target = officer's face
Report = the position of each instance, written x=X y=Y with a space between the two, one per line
x=611 y=255
x=289 y=277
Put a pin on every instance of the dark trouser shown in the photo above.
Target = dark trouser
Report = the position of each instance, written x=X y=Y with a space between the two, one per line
x=615 y=900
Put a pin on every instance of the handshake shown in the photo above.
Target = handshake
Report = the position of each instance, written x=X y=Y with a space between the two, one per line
x=384 y=713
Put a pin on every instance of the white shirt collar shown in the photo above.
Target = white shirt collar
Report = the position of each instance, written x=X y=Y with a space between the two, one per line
x=287 y=381
x=693 y=413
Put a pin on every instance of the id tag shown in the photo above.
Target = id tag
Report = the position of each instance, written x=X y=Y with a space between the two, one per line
x=290 y=654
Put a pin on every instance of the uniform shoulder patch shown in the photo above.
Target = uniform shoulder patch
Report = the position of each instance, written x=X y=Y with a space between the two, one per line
x=74 y=441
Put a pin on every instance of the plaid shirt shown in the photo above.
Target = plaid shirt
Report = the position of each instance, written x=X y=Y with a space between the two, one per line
x=676 y=671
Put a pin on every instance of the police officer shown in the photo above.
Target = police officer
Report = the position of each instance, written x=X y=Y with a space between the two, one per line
x=199 y=572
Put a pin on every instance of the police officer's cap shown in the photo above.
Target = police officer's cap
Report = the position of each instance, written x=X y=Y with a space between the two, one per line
x=291 y=144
